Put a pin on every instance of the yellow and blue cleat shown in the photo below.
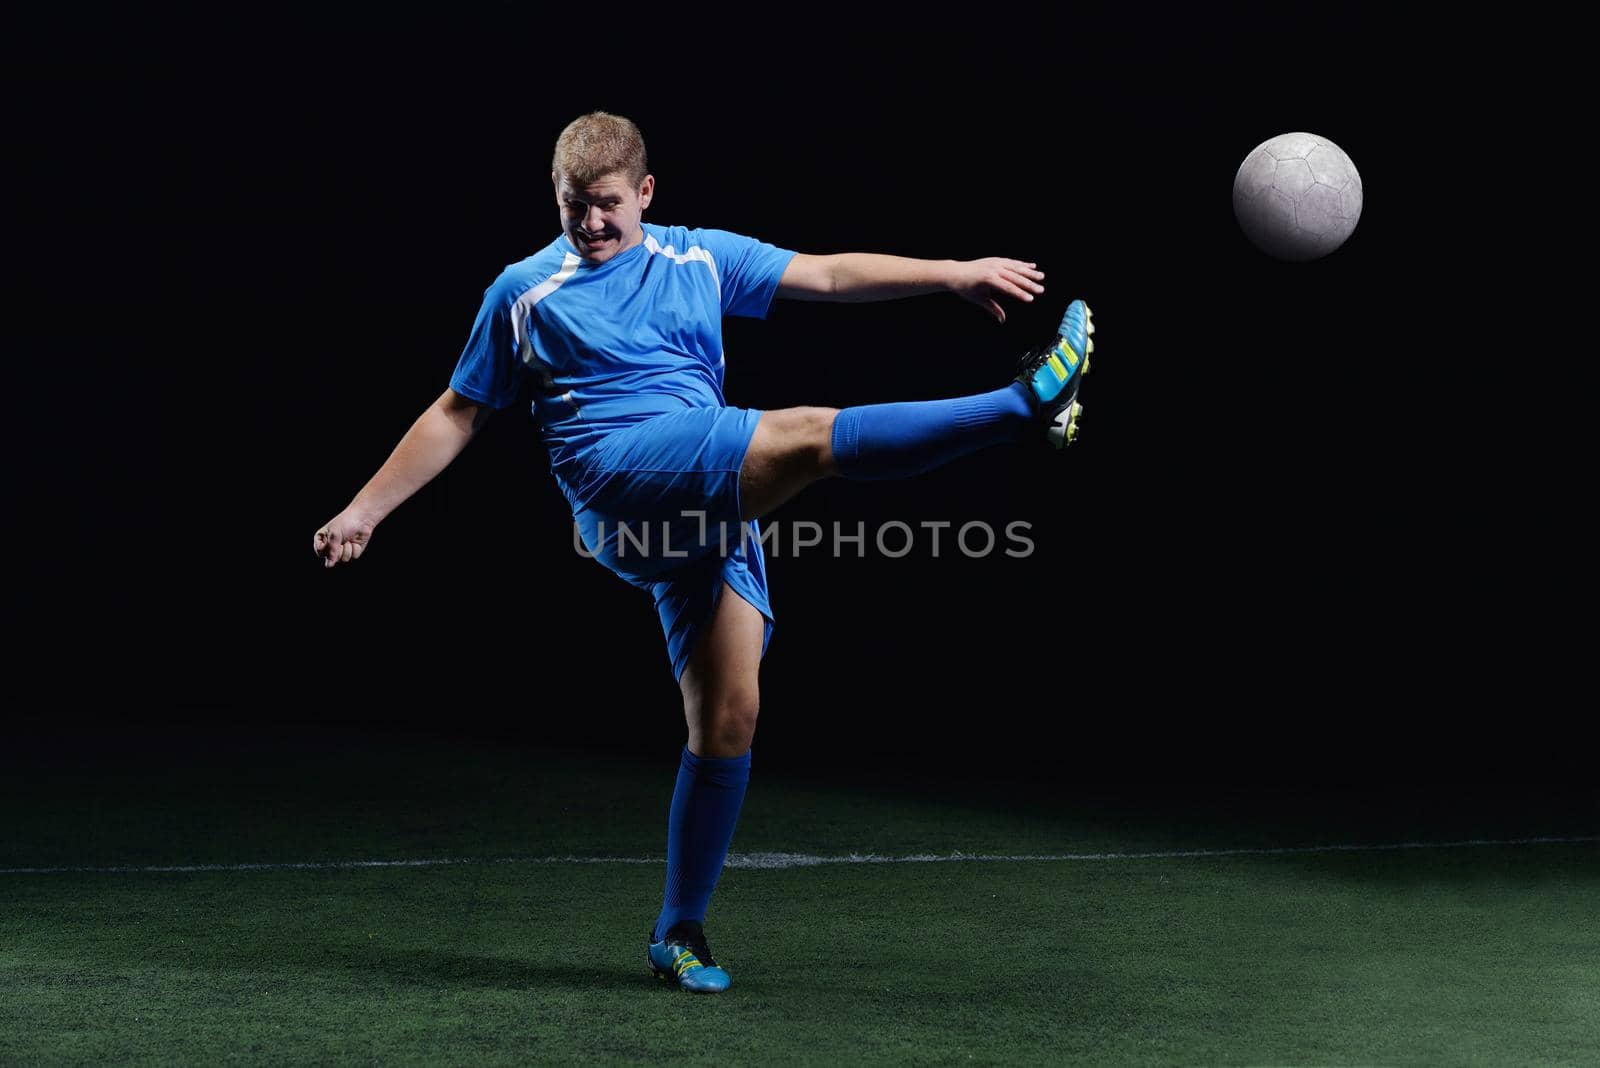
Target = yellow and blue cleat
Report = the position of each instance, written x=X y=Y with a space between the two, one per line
x=1052 y=374
x=681 y=957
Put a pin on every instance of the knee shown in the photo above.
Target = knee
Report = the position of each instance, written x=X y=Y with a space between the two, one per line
x=810 y=433
x=820 y=428
x=727 y=724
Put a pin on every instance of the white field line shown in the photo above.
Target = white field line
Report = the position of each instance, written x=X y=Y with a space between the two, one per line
x=770 y=861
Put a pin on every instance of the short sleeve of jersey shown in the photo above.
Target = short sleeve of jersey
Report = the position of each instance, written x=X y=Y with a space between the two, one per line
x=748 y=271
x=488 y=371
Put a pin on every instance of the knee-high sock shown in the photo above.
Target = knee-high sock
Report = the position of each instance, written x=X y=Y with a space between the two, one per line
x=897 y=440
x=705 y=808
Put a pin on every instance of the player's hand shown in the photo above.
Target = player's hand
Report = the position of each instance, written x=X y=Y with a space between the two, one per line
x=342 y=539
x=984 y=281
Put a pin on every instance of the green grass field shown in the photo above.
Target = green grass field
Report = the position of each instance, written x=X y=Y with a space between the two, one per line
x=1464 y=955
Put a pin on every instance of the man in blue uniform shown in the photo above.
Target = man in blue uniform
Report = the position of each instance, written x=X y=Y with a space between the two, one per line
x=618 y=323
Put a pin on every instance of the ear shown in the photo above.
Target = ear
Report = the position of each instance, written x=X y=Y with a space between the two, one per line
x=647 y=189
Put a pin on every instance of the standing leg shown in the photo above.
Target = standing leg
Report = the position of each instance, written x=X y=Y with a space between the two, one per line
x=721 y=698
x=721 y=689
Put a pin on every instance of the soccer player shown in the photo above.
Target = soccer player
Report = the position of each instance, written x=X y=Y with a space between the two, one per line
x=618 y=323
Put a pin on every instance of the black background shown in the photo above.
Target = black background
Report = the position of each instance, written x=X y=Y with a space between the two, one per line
x=251 y=251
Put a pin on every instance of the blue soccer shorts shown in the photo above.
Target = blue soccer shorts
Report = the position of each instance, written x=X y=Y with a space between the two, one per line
x=661 y=509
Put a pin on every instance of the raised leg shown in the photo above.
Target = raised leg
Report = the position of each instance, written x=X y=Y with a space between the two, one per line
x=794 y=447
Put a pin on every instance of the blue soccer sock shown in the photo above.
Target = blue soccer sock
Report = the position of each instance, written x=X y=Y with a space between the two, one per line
x=705 y=807
x=908 y=438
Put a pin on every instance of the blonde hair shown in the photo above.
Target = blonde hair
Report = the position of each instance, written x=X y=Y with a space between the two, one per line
x=597 y=144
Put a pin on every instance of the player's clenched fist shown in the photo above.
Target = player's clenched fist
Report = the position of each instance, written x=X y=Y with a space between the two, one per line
x=341 y=539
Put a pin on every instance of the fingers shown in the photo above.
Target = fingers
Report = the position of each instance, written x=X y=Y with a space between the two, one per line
x=996 y=310
x=1005 y=287
x=1012 y=287
x=1029 y=271
x=1029 y=280
x=1014 y=279
x=327 y=544
x=335 y=548
x=1023 y=282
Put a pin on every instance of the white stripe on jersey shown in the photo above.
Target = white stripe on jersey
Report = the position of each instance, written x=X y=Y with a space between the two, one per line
x=525 y=303
x=695 y=253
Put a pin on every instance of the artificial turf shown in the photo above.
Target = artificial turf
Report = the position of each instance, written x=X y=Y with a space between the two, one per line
x=1467 y=955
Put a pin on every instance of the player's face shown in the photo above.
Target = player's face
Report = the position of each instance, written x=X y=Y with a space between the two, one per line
x=602 y=219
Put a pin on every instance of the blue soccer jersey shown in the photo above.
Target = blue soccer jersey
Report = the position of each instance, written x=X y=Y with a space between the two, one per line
x=608 y=345
x=613 y=350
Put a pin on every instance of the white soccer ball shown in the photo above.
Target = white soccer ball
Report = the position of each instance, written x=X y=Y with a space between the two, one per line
x=1297 y=197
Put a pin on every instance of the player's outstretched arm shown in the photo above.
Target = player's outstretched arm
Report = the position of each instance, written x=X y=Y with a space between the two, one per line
x=864 y=276
x=436 y=438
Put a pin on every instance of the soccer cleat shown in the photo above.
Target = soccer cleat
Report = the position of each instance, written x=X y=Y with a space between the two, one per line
x=683 y=958
x=1053 y=371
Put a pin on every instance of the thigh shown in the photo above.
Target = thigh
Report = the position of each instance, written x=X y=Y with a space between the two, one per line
x=724 y=667
x=692 y=600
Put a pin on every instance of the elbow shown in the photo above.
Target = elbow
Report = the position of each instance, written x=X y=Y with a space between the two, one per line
x=833 y=282
x=464 y=414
